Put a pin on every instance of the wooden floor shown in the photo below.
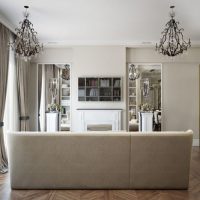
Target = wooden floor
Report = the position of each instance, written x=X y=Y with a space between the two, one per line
x=192 y=194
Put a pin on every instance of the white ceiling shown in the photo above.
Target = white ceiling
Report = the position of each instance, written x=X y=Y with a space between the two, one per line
x=107 y=22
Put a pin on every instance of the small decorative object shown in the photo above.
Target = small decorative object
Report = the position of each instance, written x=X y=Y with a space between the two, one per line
x=63 y=110
x=26 y=44
x=146 y=88
x=172 y=42
x=53 y=88
x=54 y=107
x=133 y=111
x=66 y=72
x=133 y=73
x=146 y=107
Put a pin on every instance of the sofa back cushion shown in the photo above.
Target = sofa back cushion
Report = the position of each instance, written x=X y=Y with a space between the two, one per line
x=69 y=160
x=160 y=160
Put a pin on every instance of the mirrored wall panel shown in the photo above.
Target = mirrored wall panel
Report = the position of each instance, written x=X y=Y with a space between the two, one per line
x=144 y=96
x=54 y=97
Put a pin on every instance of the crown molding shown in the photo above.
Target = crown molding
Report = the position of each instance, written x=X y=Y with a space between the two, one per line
x=6 y=23
x=128 y=44
x=69 y=43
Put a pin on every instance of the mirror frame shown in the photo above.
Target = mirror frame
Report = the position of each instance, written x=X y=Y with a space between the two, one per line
x=55 y=63
x=127 y=90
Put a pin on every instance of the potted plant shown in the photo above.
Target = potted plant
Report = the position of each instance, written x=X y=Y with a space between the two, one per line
x=54 y=107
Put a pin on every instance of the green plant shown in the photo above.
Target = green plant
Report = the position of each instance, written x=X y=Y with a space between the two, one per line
x=54 y=107
x=146 y=107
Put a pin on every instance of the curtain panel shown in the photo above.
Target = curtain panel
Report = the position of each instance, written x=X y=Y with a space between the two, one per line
x=39 y=93
x=4 y=63
x=22 y=88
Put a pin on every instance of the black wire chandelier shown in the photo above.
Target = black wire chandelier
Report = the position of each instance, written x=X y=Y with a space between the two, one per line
x=26 y=44
x=172 y=42
x=133 y=73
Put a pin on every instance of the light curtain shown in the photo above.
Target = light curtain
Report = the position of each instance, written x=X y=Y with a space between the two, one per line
x=22 y=87
x=4 y=62
x=42 y=101
x=11 y=113
x=39 y=93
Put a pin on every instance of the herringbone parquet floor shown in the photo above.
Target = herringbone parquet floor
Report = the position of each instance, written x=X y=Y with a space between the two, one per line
x=193 y=193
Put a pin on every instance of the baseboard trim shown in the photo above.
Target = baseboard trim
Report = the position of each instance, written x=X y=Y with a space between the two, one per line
x=195 y=143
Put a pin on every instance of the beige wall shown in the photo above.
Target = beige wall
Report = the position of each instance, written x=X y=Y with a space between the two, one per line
x=55 y=55
x=180 y=87
x=97 y=61
x=180 y=79
x=149 y=55
x=88 y=61
x=49 y=56
x=181 y=97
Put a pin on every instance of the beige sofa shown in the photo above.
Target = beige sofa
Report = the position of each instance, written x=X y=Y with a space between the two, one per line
x=99 y=160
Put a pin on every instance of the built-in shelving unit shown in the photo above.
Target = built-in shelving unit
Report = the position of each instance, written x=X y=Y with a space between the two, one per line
x=99 y=88
x=65 y=102
x=132 y=100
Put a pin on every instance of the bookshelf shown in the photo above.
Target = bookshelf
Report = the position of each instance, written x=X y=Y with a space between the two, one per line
x=99 y=88
x=132 y=101
x=65 y=102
